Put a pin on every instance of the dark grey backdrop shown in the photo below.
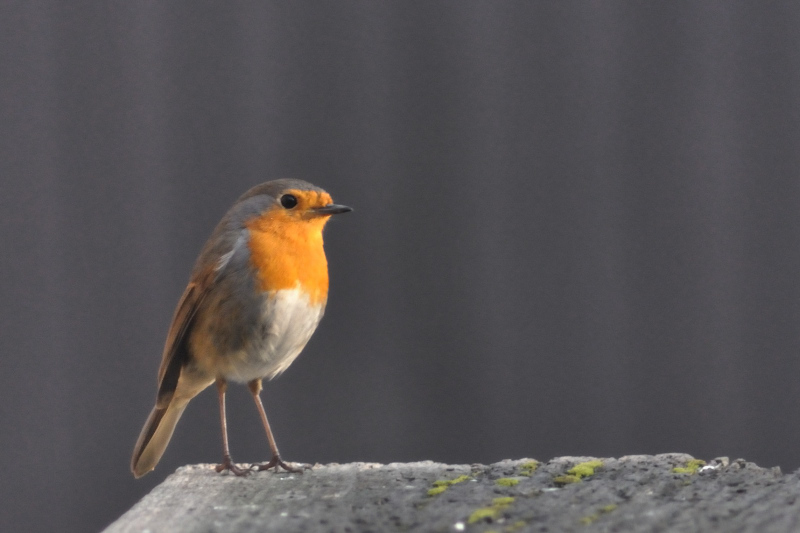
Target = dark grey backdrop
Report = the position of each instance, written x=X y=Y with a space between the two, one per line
x=575 y=231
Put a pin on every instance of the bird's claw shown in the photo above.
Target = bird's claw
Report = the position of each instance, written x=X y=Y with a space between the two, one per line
x=228 y=464
x=277 y=462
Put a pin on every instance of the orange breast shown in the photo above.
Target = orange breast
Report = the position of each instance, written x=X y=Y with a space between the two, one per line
x=286 y=252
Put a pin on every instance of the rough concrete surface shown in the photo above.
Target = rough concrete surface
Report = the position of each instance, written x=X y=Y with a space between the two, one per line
x=671 y=492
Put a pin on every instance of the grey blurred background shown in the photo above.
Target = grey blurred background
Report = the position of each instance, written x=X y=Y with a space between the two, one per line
x=576 y=230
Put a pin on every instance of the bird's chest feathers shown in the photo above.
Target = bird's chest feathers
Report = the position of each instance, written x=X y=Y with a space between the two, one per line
x=289 y=254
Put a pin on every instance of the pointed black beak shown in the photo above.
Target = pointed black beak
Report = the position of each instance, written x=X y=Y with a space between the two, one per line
x=331 y=209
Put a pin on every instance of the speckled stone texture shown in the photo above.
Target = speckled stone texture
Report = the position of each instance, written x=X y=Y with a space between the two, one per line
x=630 y=494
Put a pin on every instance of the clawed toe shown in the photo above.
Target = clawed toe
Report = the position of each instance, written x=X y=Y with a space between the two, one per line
x=277 y=462
x=228 y=464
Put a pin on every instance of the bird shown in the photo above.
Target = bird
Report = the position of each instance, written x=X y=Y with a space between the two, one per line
x=255 y=296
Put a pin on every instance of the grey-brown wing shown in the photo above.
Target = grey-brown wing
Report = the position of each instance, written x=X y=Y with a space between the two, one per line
x=176 y=350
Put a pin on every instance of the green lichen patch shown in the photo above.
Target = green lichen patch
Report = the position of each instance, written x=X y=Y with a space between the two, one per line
x=691 y=467
x=448 y=482
x=441 y=485
x=560 y=481
x=506 y=482
x=577 y=473
x=483 y=513
x=491 y=512
x=586 y=469
x=586 y=520
x=527 y=469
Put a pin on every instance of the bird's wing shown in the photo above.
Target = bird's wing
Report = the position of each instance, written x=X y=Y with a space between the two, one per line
x=176 y=350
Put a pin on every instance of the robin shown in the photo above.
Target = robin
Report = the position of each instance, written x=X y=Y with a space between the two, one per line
x=255 y=297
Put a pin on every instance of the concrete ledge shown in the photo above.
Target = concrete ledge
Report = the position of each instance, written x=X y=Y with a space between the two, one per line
x=670 y=492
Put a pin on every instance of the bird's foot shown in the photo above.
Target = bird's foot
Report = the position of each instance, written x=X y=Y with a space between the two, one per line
x=277 y=462
x=228 y=464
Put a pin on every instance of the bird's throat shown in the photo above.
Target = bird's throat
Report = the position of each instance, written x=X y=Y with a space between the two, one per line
x=287 y=253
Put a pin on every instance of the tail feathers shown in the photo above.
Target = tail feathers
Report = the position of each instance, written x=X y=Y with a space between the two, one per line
x=154 y=438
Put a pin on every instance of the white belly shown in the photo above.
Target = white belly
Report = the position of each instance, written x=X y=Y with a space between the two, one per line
x=288 y=321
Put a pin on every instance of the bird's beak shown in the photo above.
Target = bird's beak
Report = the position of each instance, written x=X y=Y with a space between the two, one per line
x=331 y=209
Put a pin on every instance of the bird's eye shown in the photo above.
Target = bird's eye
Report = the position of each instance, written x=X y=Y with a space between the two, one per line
x=288 y=201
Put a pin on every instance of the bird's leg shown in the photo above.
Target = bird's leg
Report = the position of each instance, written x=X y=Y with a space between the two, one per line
x=227 y=462
x=276 y=461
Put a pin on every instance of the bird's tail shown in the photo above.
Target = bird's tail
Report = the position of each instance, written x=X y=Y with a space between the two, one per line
x=154 y=437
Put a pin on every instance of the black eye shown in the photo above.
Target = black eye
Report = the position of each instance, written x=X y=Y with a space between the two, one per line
x=288 y=201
